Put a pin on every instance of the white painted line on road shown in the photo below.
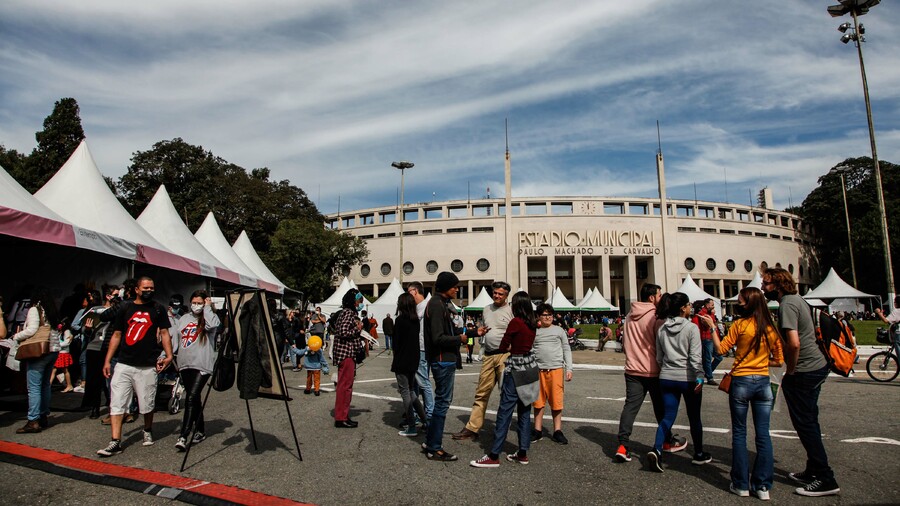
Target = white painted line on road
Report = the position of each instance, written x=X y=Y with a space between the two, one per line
x=876 y=440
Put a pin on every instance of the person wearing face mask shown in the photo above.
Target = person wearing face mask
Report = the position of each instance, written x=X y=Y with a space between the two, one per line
x=142 y=332
x=347 y=343
x=196 y=359
x=758 y=348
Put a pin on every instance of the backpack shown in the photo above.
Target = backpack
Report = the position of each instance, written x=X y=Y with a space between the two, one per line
x=332 y=322
x=835 y=342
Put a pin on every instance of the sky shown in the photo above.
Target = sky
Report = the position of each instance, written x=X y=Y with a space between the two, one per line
x=326 y=94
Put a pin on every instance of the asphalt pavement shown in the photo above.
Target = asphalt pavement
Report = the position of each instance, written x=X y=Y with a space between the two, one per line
x=372 y=464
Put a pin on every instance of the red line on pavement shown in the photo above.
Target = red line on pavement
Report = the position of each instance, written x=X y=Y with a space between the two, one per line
x=214 y=490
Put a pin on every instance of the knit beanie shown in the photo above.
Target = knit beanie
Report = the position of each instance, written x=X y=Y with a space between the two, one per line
x=445 y=281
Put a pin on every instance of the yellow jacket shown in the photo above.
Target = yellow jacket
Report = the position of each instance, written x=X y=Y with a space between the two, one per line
x=751 y=361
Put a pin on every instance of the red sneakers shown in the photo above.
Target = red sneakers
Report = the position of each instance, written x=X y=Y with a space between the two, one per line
x=485 y=461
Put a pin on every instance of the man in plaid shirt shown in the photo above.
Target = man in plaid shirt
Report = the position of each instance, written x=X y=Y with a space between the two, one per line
x=347 y=342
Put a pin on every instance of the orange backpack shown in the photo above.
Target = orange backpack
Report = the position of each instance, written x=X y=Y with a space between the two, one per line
x=835 y=341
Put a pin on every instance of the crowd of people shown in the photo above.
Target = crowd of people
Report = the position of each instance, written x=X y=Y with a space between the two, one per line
x=671 y=345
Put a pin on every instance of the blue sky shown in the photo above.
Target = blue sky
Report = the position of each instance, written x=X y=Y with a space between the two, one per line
x=327 y=93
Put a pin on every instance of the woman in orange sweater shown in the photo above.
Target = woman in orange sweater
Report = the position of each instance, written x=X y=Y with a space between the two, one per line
x=758 y=348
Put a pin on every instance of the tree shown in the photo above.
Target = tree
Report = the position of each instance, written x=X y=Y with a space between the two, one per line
x=12 y=161
x=823 y=208
x=61 y=135
x=308 y=257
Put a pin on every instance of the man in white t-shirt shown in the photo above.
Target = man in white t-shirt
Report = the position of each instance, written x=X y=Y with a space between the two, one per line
x=417 y=290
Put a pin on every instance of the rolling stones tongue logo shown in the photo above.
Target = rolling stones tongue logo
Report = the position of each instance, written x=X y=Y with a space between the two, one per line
x=189 y=335
x=138 y=325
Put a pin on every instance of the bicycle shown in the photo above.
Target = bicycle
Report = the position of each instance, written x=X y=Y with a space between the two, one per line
x=884 y=366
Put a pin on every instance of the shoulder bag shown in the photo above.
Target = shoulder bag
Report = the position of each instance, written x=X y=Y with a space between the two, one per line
x=37 y=345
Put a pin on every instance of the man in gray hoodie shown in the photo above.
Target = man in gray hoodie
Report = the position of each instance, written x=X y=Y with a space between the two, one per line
x=642 y=370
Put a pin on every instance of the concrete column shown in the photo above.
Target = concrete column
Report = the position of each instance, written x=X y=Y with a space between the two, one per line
x=700 y=284
x=721 y=288
x=578 y=274
x=523 y=274
x=630 y=276
x=472 y=293
x=375 y=290
x=604 y=277
x=551 y=274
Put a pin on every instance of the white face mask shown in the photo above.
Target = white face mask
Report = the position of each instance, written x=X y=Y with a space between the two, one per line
x=196 y=308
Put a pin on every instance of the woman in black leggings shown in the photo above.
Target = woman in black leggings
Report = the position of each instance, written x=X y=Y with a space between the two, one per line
x=196 y=358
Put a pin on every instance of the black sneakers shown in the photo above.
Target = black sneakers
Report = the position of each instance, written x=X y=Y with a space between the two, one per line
x=819 y=488
x=654 y=461
x=113 y=448
x=559 y=437
x=803 y=478
x=701 y=458
x=536 y=435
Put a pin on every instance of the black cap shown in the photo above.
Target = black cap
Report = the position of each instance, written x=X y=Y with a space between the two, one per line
x=445 y=281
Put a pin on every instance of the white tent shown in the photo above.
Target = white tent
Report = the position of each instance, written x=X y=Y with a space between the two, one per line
x=210 y=236
x=483 y=300
x=559 y=301
x=694 y=292
x=387 y=302
x=586 y=297
x=333 y=303
x=161 y=220
x=247 y=253
x=833 y=287
x=756 y=282
x=596 y=302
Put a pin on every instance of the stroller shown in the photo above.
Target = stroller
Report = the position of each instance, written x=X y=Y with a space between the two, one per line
x=574 y=343
x=170 y=389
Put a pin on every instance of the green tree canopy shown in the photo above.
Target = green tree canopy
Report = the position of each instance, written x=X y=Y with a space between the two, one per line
x=61 y=135
x=308 y=257
x=823 y=208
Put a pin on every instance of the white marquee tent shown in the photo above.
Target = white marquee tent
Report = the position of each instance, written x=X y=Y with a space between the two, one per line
x=694 y=292
x=244 y=249
x=596 y=302
x=210 y=236
x=833 y=287
x=559 y=301
x=387 y=303
x=479 y=303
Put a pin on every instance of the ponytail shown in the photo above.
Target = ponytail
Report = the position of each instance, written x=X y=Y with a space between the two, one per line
x=670 y=305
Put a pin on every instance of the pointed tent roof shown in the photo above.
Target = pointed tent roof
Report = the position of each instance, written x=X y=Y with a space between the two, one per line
x=387 y=302
x=694 y=292
x=335 y=298
x=596 y=302
x=210 y=236
x=833 y=287
x=756 y=282
x=246 y=252
x=480 y=302
x=80 y=180
x=161 y=220
x=586 y=297
x=559 y=301
x=22 y=215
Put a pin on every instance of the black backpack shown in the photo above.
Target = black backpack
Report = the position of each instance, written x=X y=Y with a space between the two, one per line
x=332 y=322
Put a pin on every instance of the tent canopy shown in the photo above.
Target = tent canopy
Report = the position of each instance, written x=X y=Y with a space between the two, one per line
x=833 y=287
x=756 y=282
x=387 y=302
x=210 y=236
x=244 y=249
x=482 y=301
x=596 y=302
x=694 y=292
x=559 y=301
x=586 y=297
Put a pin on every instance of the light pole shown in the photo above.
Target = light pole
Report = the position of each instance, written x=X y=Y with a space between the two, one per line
x=857 y=8
x=552 y=289
x=402 y=165
x=849 y=237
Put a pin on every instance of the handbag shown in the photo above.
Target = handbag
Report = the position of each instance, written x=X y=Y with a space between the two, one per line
x=725 y=382
x=37 y=345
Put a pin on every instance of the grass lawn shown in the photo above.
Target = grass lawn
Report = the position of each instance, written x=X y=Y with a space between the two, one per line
x=865 y=331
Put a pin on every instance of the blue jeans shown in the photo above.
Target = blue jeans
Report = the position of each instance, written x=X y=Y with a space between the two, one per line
x=509 y=399
x=672 y=391
x=444 y=376
x=801 y=394
x=425 y=385
x=38 y=379
x=388 y=342
x=711 y=359
x=751 y=392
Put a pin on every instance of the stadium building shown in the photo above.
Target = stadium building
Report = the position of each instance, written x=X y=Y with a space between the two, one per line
x=575 y=243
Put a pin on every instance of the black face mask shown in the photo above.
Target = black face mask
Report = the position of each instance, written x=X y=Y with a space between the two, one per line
x=147 y=295
x=771 y=295
x=743 y=311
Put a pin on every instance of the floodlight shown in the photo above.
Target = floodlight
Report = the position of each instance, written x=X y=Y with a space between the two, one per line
x=844 y=27
x=846 y=38
x=862 y=29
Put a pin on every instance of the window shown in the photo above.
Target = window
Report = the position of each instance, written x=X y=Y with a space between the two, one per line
x=456 y=230
x=730 y=265
x=725 y=214
x=708 y=230
x=726 y=231
x=482 y=229
x=482 y=210
x=656 y=209
x=458 y=212
x=561 y=208
x=332 y=224
x=763 y=266
x=785 y=222
x=536 y=208
x=614 y=208
x=431 y=267
x=388 y=234
x=689 y=264
x=748 y=265
x=432 y=231
x=367 y=236
x=637 y=208
x=385 y=269
x=706 y=212
x=365 y=270
x=456 y=265
x=687 y=229
x=434 y=213
x=411 y=215
x=348 y=222
x=501 y=210
x=408 y=268
x=482 y=264
x=687 y=211
x=791 y=268
x=710 y=264
x=388 y=217
x=743 y=216
x=758 y=217
x=367 y=219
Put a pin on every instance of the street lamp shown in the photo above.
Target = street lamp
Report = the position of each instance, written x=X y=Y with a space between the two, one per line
x=402 y=165
x=856 y=32
x=552 y=289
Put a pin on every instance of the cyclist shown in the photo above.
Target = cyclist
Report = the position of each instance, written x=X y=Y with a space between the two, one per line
x=892 y=319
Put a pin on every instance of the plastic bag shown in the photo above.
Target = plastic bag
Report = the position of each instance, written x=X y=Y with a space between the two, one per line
x=775 y=375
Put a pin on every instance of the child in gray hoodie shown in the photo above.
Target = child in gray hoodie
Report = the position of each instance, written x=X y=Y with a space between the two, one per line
x=678 y=353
